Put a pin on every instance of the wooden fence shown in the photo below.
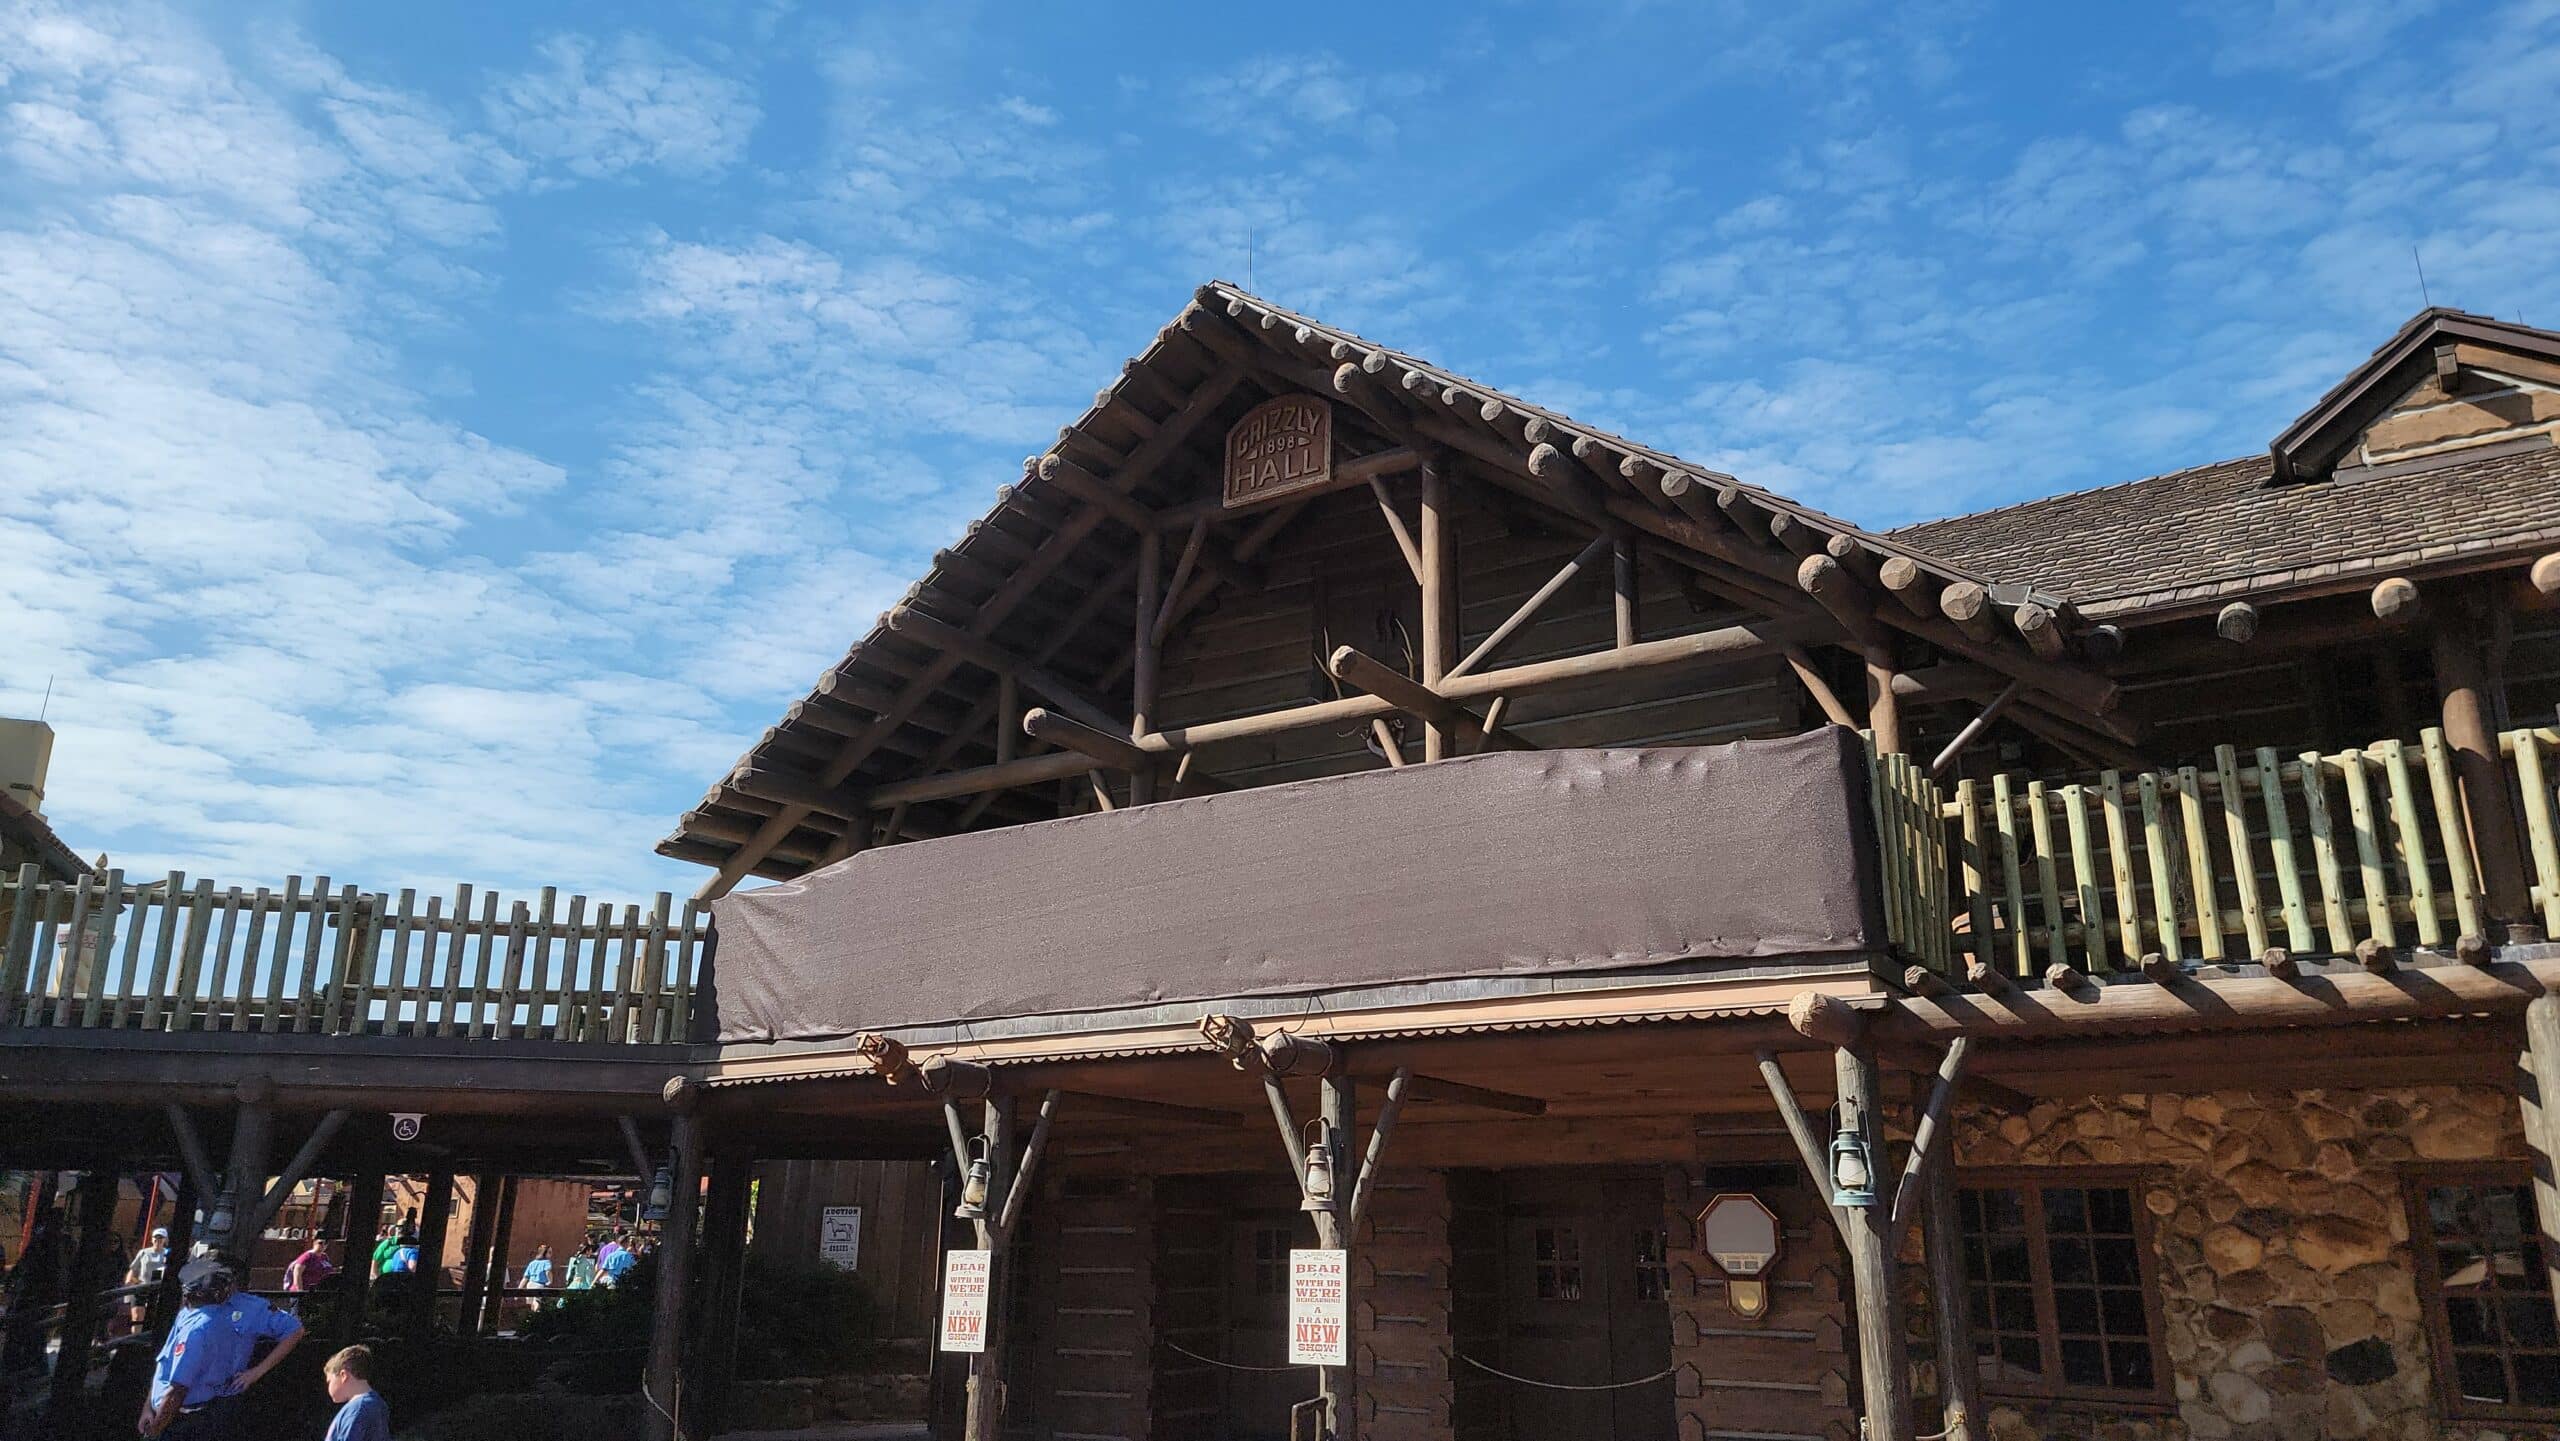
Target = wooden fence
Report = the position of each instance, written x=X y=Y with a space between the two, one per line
x=167 y=955
x=2310 y=854
x=1912 y=846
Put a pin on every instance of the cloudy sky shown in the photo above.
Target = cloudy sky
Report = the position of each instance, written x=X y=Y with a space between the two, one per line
x=435 y=438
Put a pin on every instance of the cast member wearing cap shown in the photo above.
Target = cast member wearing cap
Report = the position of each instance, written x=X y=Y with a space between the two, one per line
x=206 y=1362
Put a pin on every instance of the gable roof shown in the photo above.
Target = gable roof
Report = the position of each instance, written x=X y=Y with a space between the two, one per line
x=2311 y=447
x=2295 y=518
x=1037 y=576
x=2194 y=539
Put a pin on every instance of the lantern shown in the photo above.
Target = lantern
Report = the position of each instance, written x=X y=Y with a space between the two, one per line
x=1319 y=1172
x=1853 y=1176
x=973 y=1189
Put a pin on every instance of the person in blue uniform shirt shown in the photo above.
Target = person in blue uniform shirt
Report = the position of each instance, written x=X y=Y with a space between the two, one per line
x=207 y=1361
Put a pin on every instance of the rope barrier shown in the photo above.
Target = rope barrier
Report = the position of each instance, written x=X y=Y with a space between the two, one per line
x=1214 y=1361
x=1662 y=1374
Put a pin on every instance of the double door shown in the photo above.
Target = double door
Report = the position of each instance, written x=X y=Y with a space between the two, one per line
x=1560 y=1279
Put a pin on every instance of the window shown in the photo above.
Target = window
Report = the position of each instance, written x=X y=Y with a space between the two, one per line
x=1271 y=1246
x=1556 y=1260
x=1653 y=1264
x=2487 y=1295
x=2059 y=1288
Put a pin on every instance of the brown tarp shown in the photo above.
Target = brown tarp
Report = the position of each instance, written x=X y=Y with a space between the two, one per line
x=1506 y=864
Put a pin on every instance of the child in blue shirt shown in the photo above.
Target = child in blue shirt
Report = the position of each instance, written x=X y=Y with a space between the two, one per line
x=361 y=1414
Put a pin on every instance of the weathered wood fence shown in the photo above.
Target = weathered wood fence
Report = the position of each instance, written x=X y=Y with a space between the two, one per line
x=2309 y=854
x=170 y=955
x=1912 y=846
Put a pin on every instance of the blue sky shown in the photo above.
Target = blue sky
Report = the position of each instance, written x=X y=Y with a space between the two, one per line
x=434 y=439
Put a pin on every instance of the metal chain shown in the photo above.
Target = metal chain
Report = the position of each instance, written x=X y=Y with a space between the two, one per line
x=1662 y=1374
x=1214 y=1361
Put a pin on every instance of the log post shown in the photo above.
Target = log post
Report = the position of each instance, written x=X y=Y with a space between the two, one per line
x=1142 y=665
x=244 y=1179
x=364 y=1226
x=1884 y=1378
x=164 y=1301
x=1340 y=1110
x=1439 y=591
x=1942 y=1239
x=1884 y=708
x=435 y=1218
x=2462 y=688
x=476 y=1240
x=985 y=1418
x=662 y=1400
x=89 y=1271
x=493 y=1308
x=2540 y=1094
x=1626 y=608
x=711 y=1362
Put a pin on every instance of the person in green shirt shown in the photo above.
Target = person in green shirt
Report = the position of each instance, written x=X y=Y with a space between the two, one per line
x=383 y=1249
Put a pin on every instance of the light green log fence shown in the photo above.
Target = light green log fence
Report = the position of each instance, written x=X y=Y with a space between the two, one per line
x=2311 y=854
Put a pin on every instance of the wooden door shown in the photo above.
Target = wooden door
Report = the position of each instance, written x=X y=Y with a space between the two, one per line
x=1581 y=1303
x=1223 y=1294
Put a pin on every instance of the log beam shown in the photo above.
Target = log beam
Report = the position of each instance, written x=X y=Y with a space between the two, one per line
x=1810 y=677
x=950 y=639
x=2396 y=601
x=1443 y=716
x=2237 y=622
x=1528 y=609
x=2224 y=1003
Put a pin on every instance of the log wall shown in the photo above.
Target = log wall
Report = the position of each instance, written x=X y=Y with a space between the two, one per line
x=1786 y=1372
x=1400 y=1320
x=901 y=1207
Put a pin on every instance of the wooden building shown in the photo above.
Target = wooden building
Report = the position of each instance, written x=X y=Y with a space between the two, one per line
x=1710 y=970
x=2186 y=903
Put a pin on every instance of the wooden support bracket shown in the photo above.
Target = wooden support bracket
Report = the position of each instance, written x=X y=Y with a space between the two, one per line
x=1809 y=1146
x=1365 y=672
x=1930 y=1139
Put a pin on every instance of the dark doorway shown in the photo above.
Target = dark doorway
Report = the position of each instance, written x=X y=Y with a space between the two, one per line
x=1558 y=1276
x=1222 y=1291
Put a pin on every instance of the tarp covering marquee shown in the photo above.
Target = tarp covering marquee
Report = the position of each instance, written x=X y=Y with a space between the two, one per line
x=1503 y=864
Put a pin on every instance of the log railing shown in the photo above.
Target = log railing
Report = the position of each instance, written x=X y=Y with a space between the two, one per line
x=2535 y=754
x=1912 y=847
x=2361 y=852
x=175 y=955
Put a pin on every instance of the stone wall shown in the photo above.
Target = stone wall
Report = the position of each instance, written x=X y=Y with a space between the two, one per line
x=2281 y=1243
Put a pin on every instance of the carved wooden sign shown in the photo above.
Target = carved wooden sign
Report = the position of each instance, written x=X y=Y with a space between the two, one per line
x=1281 y=447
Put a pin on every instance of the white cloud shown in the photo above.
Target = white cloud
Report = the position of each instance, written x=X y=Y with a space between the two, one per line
x=597 y=111
x=1270 y=101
